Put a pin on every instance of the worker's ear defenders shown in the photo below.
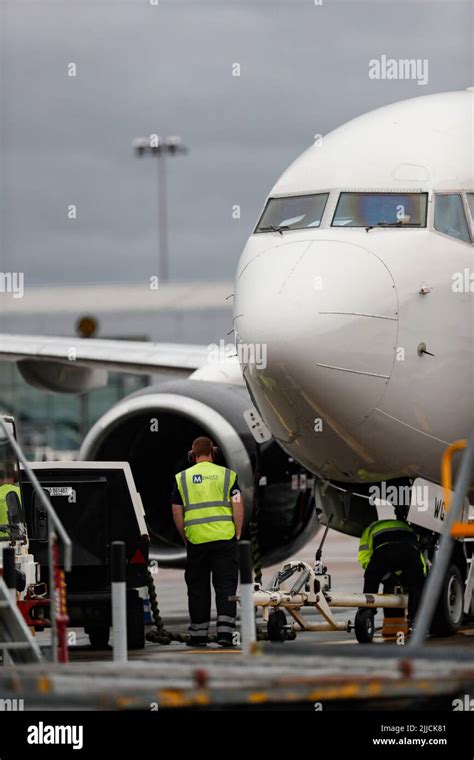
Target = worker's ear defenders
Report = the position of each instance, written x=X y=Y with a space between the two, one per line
x=192 y=455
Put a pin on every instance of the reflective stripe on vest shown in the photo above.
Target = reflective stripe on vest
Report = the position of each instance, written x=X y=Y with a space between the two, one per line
x=205 y=491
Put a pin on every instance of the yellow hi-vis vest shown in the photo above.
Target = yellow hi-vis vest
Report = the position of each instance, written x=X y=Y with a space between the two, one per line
x=205 y=490
x=5 y=489
x=385 y=532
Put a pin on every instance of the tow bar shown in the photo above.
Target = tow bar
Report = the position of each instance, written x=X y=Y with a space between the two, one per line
x=297 y=585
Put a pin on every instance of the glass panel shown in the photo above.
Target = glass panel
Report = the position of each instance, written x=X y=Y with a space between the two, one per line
x=450 y=217
x=296 y=212
x=470 y=200
x=380 y=209
x=51 y=422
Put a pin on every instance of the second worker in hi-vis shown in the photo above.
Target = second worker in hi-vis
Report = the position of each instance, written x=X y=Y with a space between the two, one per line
x=208 y=512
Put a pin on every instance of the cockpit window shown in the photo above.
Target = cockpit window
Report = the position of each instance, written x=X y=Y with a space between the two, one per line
x=470 y=201
x=295 y=212
x=450 y=218
x=381 y=210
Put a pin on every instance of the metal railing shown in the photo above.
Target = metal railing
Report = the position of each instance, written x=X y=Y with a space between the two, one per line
x=453 y=527
x=56 y=589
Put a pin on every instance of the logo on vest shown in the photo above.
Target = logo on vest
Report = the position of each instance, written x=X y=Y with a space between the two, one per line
x=200 y=478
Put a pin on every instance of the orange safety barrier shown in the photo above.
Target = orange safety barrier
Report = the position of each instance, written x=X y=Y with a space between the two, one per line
x=459 y=529
x=462 y=530
x=446 y=474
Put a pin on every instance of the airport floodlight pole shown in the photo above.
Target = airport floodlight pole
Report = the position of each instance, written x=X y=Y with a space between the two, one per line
x=156 y=146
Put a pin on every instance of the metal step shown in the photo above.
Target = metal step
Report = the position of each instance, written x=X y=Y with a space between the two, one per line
x=15 y=636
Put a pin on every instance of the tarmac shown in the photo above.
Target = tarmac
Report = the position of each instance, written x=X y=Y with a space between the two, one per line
x=328 y=669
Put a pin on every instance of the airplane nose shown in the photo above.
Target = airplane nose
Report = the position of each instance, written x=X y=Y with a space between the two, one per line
x=324 y=314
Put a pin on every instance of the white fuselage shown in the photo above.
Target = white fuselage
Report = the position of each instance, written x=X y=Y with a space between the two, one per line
x=344 y=312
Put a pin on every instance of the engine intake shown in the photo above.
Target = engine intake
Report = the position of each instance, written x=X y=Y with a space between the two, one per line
x=153 y=430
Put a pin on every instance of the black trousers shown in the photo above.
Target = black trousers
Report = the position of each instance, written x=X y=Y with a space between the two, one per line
x=218 y=560
x=382 y=566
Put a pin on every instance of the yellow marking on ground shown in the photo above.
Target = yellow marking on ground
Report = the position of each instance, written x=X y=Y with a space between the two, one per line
x=202 y=698
x=44 y=685
x=374 y=688
x=346 y=691
x=125 y=702
x=211 y=651
x=257 y=697
x=292 y=696
x=171 y=698
x=425 y=685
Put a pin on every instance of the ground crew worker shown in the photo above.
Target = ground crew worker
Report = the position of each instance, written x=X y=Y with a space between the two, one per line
x=208 y=513
x=7 y=485
x=389 y=552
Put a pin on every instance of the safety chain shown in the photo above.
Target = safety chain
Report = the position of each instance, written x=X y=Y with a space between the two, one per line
x=160 y=635
x=255 y=548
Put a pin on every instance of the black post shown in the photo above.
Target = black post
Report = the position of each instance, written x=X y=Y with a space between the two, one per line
x=118 y=562
x=9 y=568
x=245 y=560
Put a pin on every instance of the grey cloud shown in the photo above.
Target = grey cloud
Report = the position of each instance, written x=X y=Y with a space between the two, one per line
x=168 y=69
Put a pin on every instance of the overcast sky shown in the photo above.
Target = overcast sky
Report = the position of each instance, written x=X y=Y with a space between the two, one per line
x=143 y=69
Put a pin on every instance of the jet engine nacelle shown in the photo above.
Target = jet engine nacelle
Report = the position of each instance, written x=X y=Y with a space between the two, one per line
x=153 y=430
